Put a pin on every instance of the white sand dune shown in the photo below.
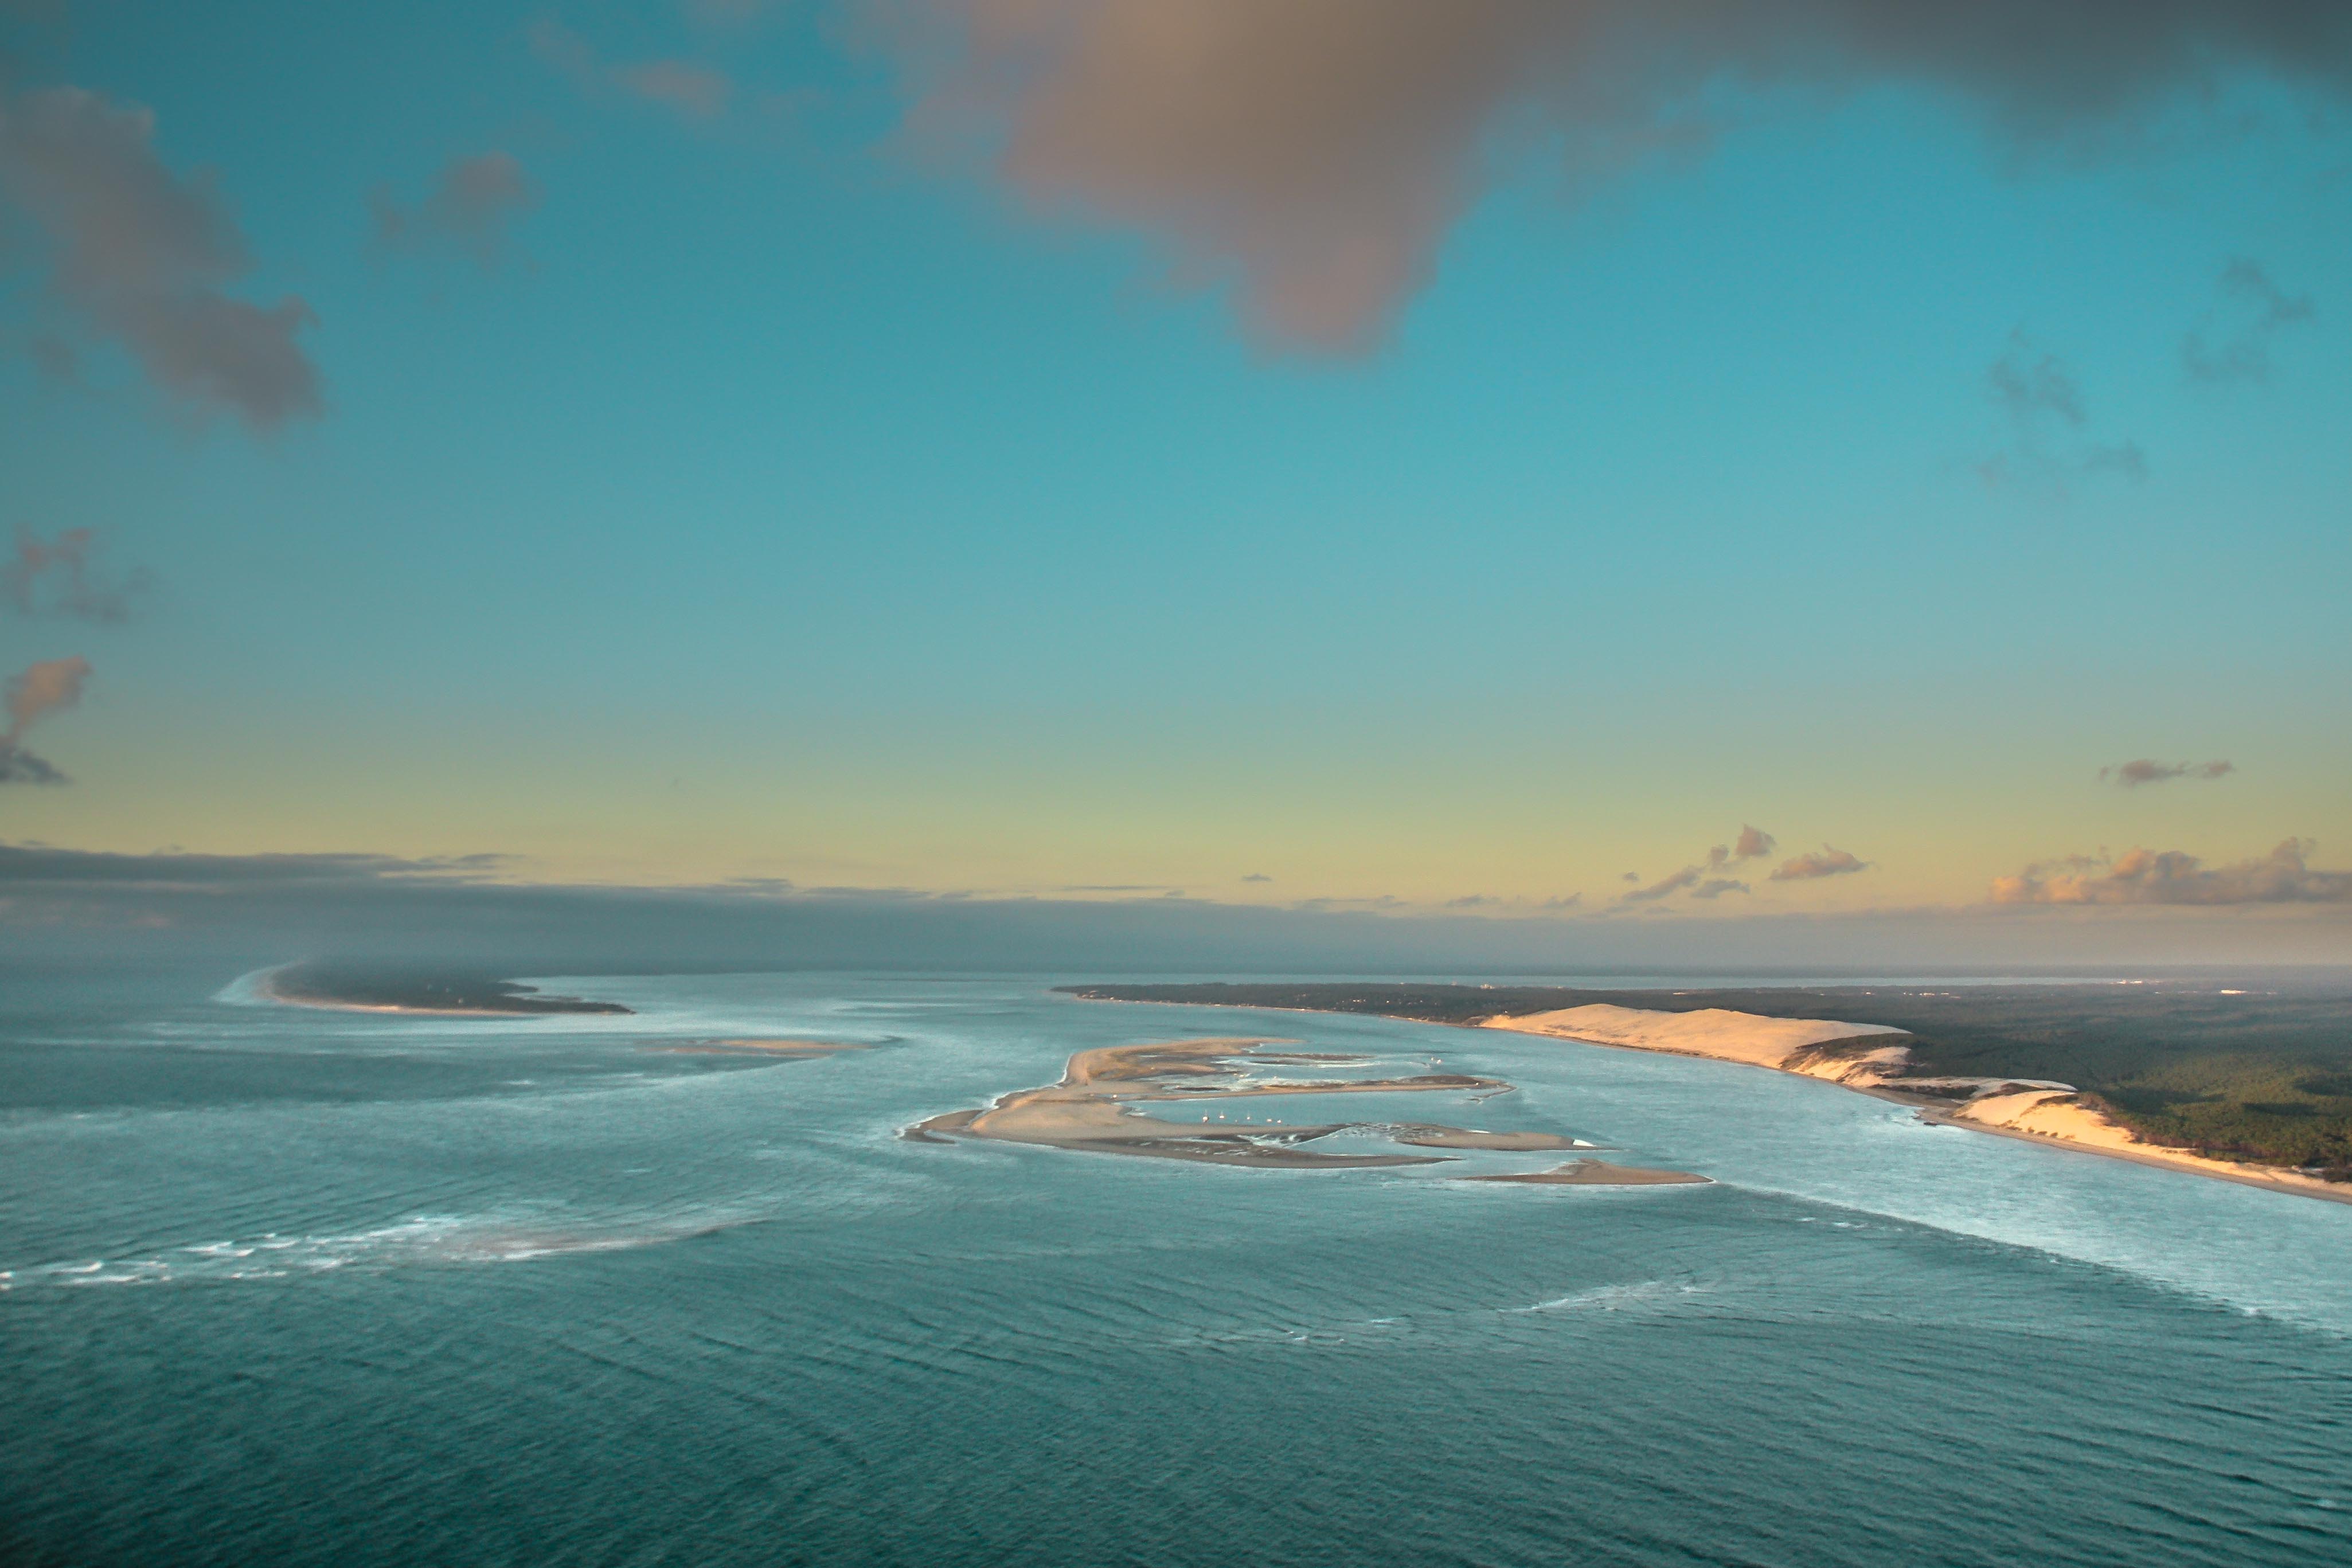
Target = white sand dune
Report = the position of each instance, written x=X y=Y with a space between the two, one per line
x=1786 y=1045
x=1873 y=1057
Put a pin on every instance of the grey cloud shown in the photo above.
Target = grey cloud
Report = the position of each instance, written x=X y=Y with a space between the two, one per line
x=54 y=358
x=2174 y=877
x=31 y=695
x=1257 y=876
x=2253 y=310
x=56 y=577
x=144 y=256
x=2028 y=379
x=2046 y=413
x=1666 y=886
x=1821 y=863
x=698 y=92
x=2124 y=457
x=1316 y=153
x=1753 y=844
x=1571 y=900
x=695 y=91
x=22 y=864
x=1717 y=886
x=2148 y=770
x=727 y=13
x=18 y=766
x=471 y=205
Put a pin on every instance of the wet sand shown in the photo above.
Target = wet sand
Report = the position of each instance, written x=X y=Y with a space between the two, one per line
x=1094 y=1109
x=1433 y=1137
x=1599 y=1173
x=790 y=1050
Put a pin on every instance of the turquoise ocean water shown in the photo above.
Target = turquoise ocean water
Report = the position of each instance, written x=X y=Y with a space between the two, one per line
x=295 y=1287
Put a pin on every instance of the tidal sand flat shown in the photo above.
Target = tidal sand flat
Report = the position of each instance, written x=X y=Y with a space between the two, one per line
x=1093 y=1109
x=791 y=1050
x=1596 y=1173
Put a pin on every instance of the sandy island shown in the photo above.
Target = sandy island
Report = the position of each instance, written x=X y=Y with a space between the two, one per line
x=1597 y=1173
x=349 y=991
x=1094 y=1108
x=790 y=1050
x=1875 y=1059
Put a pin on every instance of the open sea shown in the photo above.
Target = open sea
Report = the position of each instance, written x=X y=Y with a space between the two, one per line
x=285 y=1286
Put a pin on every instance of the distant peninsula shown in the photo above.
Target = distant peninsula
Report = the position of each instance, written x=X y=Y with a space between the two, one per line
x=358 y=987
x=2250 y=1086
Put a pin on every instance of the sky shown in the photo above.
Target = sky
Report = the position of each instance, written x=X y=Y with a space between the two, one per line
x=1586 y=468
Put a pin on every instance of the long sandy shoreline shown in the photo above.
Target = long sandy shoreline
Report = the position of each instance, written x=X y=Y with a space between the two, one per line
x=2286 y=1182
x=1868 y=1046
x=265 y=987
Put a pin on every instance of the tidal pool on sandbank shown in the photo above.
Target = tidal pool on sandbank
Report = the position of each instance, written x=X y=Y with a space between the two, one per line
x=1093 y=1109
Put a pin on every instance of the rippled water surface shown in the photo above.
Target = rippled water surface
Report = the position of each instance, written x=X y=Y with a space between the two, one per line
x=289 y=1286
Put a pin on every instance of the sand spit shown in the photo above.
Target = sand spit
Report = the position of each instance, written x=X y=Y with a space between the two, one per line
x=1599 y=1173
x=790 y=1050
x=1429 y=1137
x=1094 y=1109
x=1872 y=1058
x=350 y=990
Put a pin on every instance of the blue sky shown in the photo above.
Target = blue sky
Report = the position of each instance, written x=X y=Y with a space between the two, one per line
x=788 y=496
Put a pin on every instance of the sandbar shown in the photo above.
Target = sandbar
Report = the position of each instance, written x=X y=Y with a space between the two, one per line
x=790 y=1050
x=1095 y=1109
x=1599 y=1173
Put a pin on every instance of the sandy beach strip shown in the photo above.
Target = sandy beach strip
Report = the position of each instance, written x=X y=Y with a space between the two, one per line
x=285 y=986
x=2055 y=1118
x=269 y=990
x=1599 y=1173
x=789 y=1050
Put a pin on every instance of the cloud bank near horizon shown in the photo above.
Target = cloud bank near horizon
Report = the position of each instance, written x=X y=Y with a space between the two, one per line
x=1316 y=153
x=2176 y=877
x=78 y=905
